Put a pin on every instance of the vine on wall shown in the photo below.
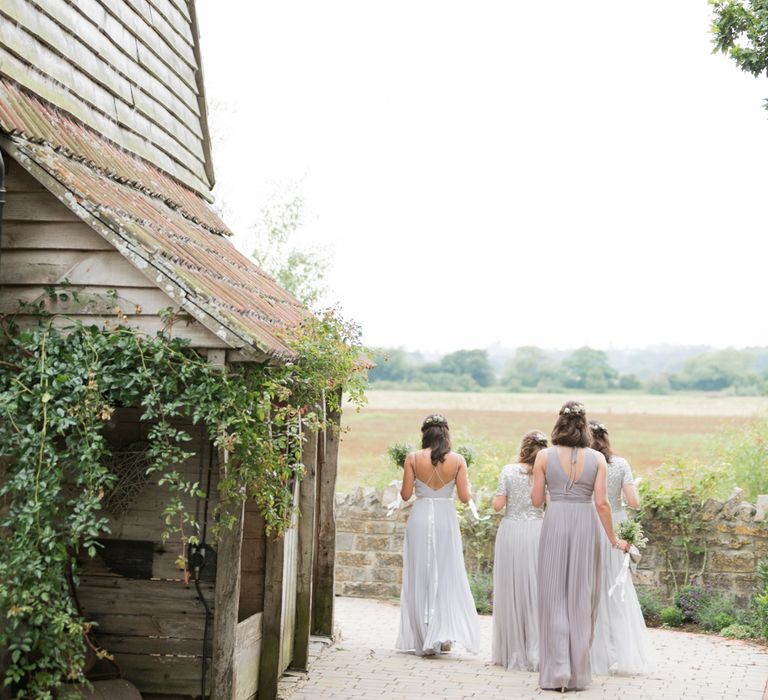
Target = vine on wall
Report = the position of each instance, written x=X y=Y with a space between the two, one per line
x=58 y=388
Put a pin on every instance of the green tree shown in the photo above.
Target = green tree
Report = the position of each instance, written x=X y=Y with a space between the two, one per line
x=529 y=366
x=299 y=270
x=740 y=29
x=587 y=368
x=392 y=365
x=714 y=371
x=475 y=363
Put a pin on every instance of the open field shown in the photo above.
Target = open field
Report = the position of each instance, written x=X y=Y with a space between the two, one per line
x=645 y=429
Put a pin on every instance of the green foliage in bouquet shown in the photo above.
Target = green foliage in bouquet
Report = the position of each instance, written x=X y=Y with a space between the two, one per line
x=632 y=532
x=398 y=451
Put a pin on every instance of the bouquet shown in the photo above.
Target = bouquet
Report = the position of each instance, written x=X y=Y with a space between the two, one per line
x=400 y=450
x=632 y=532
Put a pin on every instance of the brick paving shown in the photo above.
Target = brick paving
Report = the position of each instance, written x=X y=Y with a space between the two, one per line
x=364 y=664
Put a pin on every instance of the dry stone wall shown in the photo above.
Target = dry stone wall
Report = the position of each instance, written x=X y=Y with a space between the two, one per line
x=727 y=539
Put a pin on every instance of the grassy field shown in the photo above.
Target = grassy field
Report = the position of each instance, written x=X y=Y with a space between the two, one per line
x=645 y=429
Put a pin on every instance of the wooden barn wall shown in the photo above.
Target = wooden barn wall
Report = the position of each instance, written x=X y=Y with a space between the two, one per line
x=45 y=245
x=148 y=617
x=290 y=572
x=126 y=68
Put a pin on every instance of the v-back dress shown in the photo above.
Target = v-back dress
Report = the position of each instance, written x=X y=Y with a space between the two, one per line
x=569 y=574
x=622 y=643
x=436 y=604
x=515 y=614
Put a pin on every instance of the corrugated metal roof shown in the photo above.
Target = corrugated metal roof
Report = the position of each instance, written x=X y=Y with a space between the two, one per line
x=164 y=229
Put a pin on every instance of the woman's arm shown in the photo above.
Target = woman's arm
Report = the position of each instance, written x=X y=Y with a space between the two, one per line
x=629 y=489
x=603 y=507
x=406 y=491
x=500 y=499
x=462 y=481
x=539 y=481
x=631 y=497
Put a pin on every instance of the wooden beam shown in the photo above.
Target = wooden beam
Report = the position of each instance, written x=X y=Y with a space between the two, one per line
x=226 y=605
x=271 y=621
x=325 y=570
x=307 y=520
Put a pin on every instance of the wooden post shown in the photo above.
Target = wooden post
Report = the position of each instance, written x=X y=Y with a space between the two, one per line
x=227 y=603
x=325 y=569
x=271 y=621
x=307 y=519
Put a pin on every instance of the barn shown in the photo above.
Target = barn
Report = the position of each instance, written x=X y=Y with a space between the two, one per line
x=107 y=174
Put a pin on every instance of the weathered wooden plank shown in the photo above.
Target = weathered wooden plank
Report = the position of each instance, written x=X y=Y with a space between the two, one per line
x=170 y=23
x=325 y=555
x=121 y=644
x=271 y=621
x=162 y=674
x=46 y=267
x=48 y=89
x=117 y=595
x=179 y=58
x=290 y=566
x=150 y=625
x=227 y=600
x=36 y=206
x=70 y=48
x=58 y=235
x=19 y=180
x=90 y=300
x=248 y=651
x=305 y=564
x=119 y=49
x=196 y=333
x=253 y=563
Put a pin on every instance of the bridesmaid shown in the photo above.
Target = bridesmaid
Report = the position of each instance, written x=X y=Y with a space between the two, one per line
x=515 y=615
x=621 y=644
x=436 y=605
x=569 y=573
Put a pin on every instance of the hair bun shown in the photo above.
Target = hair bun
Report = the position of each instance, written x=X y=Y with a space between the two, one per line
x=435 y=420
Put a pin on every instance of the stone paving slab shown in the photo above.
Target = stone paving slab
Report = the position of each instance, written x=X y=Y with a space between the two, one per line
x=364 y=664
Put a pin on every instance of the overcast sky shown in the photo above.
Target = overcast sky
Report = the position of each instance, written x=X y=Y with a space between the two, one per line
x=552 y=173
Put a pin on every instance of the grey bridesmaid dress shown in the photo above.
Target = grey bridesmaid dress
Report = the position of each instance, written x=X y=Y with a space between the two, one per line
x=569 y=574
x=436 y=603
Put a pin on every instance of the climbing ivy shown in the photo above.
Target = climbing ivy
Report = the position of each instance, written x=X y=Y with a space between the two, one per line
x=59 y=388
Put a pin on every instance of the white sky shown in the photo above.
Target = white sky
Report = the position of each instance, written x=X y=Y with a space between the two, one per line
x=551 y=173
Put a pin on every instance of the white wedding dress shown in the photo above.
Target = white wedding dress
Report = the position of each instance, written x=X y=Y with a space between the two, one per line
x=515 y=563
x=621 y=643
x=436 y=603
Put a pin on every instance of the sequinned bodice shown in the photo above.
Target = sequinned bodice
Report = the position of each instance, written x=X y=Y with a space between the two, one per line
x=515 y=484
x=619 y=474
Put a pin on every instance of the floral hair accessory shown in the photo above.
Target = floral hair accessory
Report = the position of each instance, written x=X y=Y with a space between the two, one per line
x=435 y=420
x=598 y=427
x=577 y=409
x=539 y=438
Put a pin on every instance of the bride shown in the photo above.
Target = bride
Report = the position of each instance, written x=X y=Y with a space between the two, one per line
x=436 y=604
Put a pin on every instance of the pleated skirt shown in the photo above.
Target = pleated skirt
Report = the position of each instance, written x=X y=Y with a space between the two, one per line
x=622 y=643
x=515 y=612
x=569 y=578
x=436 y=603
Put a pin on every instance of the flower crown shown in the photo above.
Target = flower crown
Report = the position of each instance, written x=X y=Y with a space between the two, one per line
x=539 y=438
x=598 y=427
x=435 y=419
x=577 y=409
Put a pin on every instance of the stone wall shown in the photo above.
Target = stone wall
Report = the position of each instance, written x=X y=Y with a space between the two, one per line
x=369 y=545
x=728 y=538
x=726 y=541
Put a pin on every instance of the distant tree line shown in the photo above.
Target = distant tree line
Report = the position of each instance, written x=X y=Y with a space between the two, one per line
x=532 y=369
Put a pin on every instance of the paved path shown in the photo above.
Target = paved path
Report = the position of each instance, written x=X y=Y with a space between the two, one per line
x=363 y=664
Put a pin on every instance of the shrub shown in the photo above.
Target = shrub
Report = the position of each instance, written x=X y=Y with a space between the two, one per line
x=737 y=631
x=651 y=603
x=718 y=612
x=691 y=599
x=744 y=454
x=759 y=611
x=481 y=585
x=671 y=617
